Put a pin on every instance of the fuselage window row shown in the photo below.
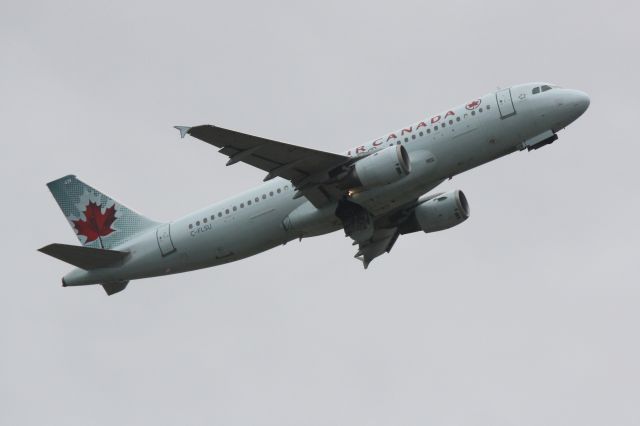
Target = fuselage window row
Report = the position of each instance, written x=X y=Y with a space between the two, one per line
x=235 y=208
x=442 y=125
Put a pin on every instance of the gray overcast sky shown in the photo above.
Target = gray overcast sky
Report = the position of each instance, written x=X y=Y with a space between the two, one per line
x=526 y=314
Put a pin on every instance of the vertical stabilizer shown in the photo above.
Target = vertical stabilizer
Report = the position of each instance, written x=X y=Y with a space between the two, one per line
x=97 y=220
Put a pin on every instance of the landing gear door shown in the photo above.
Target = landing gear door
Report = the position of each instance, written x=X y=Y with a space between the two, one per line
x=505 y=103
x=164 y=239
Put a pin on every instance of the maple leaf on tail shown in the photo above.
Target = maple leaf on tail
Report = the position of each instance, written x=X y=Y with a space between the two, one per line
x=96 y=223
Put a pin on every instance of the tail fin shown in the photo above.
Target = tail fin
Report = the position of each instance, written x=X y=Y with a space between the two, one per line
x=99 y=221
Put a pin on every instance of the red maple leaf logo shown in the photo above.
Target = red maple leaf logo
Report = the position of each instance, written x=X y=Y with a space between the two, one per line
x=473 y=104
x=96 y=223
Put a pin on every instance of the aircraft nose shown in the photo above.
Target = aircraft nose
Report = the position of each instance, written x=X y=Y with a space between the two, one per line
x=579 y=101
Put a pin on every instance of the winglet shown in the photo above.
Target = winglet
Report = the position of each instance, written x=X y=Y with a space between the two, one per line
x=183 y=130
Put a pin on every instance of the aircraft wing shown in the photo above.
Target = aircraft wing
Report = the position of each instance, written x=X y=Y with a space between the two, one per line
x=308 y=169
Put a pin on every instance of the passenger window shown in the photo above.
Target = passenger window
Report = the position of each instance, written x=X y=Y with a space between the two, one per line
x=413 y=136
x=473 y=112
x=480 y=110
x=279 y=190
x=545 y=88
x=271 y=194
x=444 y=125
x=428 y=130
x=535 y=91
x=457 y=118
x=198 y=223
x=219 y=214
x=190 y=226
x=204 y=220
x=488 y=107
x=257 y=199
x=213 y=216
x=226 y=211
x=421 y=134
x=235 y=208
x=249 y=202
x=264 y=196
x=450 y=122
x=435 y=128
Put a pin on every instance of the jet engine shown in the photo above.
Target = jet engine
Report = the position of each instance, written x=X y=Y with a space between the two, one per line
x=443 y=211
x=382 y=167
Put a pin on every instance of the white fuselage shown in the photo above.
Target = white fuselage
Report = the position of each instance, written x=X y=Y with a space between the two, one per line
x=439 y=147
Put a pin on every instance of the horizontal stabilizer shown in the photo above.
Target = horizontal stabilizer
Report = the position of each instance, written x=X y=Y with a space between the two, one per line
x=84 y=257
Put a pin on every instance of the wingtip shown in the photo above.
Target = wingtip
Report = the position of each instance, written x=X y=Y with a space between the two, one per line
x=183 y=130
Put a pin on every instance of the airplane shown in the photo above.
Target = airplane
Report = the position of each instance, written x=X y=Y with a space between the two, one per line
x=374 y=192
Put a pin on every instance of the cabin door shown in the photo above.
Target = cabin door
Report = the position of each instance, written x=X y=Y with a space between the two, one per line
x=164 y=239
x=505 y=103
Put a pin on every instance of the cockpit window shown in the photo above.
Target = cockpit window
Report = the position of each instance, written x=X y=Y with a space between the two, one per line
x=535 y=90
x=545 y=88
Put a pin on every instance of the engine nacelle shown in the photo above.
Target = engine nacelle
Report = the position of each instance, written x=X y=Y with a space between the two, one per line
x=443 y=212
x=382 y=167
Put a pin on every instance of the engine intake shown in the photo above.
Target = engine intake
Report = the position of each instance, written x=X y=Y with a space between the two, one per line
x=382 y=167
x=443 y=211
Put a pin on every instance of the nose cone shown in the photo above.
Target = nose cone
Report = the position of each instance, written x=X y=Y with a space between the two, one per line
x=571 y=104
x=579 y=102
x=576 y=103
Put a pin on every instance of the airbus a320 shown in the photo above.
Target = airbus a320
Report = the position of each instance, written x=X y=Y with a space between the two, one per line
x=374 y=192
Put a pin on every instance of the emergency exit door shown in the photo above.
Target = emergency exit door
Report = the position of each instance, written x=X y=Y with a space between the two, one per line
x=164 y=239
x=505 y=103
